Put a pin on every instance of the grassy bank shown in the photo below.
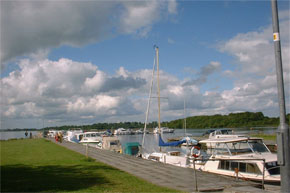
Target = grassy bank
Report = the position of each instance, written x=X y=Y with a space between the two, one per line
x=265 y=136
x=40 y=166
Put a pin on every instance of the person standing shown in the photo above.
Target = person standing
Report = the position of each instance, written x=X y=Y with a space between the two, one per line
x=30 y=135
x=26 y=134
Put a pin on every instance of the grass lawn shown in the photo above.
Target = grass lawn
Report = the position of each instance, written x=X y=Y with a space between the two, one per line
x=38 y=165
x=265 y=136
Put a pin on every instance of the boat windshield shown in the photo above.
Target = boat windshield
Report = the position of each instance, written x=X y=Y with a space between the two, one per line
x=258 y=146
x=241 y=147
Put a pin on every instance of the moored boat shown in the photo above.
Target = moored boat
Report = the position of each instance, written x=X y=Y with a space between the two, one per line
x=241 y=157
x=163 y=130
x=122 y=131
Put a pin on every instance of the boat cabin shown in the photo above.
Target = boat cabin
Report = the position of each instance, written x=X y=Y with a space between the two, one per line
x=112 y=144
x=131 y=148
x=245 y=157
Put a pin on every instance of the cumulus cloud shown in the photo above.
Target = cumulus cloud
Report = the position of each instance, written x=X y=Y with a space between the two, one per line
x=203 y=74
x=29 y=27
x=255 y=86
x=65 y=90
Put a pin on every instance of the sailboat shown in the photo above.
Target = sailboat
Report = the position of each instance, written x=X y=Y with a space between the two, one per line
x=189 y=141
x=169 y=157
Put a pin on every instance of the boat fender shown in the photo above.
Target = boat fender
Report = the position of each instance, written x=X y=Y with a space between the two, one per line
x=195 y=151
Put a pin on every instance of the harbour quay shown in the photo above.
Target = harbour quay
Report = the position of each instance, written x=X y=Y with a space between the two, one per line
x=179 y=178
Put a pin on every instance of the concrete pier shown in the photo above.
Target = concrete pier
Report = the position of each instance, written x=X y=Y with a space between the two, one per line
x=168 y=175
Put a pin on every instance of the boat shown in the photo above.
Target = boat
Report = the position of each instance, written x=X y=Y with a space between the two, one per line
x=73 y=136
x=92 y=138
x=139 y=131
x=52 y=133
x=240 y=157
x=163 y=130
x=189 y=141
x=169 y=157
x=122 y=131
x=221 y=134
x=110 y=143
x=131 y=148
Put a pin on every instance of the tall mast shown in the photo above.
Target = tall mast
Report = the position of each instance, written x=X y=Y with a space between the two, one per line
x=158 y=87
x=184 y=118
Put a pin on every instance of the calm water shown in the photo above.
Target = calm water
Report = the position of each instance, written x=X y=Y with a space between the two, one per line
x=15 y=134
x=151 y=140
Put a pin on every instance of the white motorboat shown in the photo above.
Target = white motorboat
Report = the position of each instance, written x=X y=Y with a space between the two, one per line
x=52 y=133
x=122 y=131
x=139 y=131
x=242 y=157
x=222 y=134
x=163 y=130
x=93 y=139
x=73 y=136
x=170 y=157
x=111 y=144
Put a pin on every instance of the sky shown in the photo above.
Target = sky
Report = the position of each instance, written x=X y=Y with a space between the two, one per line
x=76 y=62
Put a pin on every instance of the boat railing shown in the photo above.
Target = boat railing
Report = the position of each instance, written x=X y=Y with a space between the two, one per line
x=236 y=170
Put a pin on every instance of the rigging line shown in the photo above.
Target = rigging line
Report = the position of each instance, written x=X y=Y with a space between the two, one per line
x=148 y=104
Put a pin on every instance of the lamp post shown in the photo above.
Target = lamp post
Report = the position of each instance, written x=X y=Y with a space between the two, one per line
x=283 y=129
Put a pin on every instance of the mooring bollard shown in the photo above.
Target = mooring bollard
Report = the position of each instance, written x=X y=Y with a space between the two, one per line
x=196 y=189
x=237 y=173
x=87 y=151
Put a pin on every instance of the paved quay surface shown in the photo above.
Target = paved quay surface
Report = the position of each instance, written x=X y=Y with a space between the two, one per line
x=168 y=175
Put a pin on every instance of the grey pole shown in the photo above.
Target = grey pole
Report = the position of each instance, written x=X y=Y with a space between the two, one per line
x=283 y=129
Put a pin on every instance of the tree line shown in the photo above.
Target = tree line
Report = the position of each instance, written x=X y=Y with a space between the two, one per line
x=232 y=120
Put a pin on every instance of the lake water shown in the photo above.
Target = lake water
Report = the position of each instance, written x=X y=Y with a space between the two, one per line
x=151 y=140
x=4 y=135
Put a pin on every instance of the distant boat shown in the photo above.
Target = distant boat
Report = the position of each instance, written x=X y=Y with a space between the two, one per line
x=163 y=130
x=111 y=144
x=52 y=133
x=139 y=131
x=73 y=135
x=122 y=131
x=93 y=139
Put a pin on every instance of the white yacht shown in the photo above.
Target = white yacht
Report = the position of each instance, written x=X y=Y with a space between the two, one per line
x=241 y=157
x=122 y=131
x=52 y=133
x=163 y=130
x=73 y=136
x=111 y=144
x=93 y=139
x=170 y=157
x=222 y=134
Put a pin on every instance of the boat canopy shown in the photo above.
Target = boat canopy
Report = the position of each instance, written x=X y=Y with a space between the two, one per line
x=174 y=143
x=131 y=148
x=228 y=140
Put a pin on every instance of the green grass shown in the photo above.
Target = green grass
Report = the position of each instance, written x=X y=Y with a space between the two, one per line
x=265 y=136
x=38 y=165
